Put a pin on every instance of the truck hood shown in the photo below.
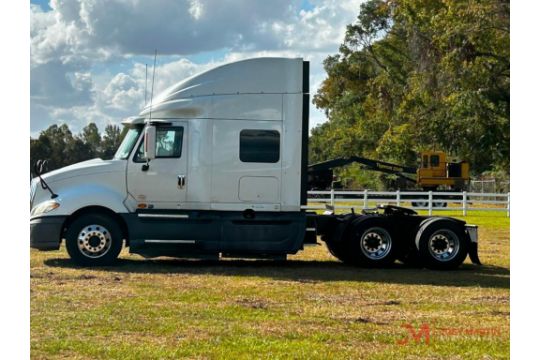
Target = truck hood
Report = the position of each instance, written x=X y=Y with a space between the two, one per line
x=89 y=167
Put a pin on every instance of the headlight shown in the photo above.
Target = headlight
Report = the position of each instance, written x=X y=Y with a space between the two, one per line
x=45 y=207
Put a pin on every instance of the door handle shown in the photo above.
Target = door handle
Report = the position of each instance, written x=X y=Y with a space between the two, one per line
x=181 y=181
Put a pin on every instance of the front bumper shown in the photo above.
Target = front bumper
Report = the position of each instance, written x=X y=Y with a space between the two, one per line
x=45 y=232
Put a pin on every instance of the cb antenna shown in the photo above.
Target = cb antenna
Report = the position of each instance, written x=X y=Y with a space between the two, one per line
x=152 y=91
x=145 y=81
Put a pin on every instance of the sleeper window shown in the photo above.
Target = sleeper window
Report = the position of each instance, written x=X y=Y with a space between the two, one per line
x=260 y=146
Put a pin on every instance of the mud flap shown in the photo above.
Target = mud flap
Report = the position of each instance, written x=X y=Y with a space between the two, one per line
x=472 y=231
x=473 y=253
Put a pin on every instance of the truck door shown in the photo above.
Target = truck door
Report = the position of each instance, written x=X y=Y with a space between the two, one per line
x=163 y=183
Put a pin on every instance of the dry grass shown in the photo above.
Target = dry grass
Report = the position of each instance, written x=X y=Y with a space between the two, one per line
x=309 y=307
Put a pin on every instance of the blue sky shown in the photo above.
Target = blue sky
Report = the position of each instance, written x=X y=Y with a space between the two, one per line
x=44 y=4
x=88 y=56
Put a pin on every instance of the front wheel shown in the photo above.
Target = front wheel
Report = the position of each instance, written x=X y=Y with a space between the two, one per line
x=94 y=240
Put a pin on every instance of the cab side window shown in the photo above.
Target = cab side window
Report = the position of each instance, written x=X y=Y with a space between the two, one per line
x=434 y=160
x=425 y=162
x=168 y=144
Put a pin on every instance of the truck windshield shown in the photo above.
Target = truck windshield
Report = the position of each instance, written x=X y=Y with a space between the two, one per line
x=127 y=144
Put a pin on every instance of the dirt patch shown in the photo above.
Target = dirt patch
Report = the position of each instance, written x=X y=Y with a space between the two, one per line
x=500 y=313
x=491 y=298
x=252 y=303
x=41 y=275
x=307 y=281
x=85 y=277
x=362 y=320
x=389 y=302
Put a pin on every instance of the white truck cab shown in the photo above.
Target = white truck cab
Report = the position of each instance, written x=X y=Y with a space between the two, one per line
x=217 y=149
x=216 y=166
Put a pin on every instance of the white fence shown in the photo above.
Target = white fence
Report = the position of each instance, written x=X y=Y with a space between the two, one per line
x=424 y=200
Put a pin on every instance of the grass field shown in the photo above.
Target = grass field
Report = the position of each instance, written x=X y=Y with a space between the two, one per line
x=309 y=307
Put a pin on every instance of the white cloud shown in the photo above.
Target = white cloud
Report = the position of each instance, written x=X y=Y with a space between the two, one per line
x=122 y=92
x=119 y=27
x=76 y=46
x=319 y=29
x=196 y=9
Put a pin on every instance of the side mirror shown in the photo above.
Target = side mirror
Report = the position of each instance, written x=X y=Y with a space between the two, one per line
x=150 y=142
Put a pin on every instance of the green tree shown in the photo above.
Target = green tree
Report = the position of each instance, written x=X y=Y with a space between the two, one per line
x=414 y=75
x=60 y=148
x=111 y=141
x=90 y=136
x=59 y=140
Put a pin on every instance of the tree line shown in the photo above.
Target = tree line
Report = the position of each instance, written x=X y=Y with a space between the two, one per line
x=411 y=75
x=415 y=75
x=60 y=147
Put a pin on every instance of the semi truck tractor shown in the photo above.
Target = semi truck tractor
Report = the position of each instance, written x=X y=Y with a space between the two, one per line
x=216 y=166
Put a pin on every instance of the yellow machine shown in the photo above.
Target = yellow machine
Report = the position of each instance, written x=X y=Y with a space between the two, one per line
x=436 y=170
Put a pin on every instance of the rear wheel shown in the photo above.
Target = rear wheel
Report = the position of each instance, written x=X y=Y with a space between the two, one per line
x=337 y=250
x=94 y=240
x=370 y=243
x=442 y=244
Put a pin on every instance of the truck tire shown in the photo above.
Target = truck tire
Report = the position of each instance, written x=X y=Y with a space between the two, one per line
x=436 y=204
x=338 y=250
x=94 y=240
x=439 y=204
x=370 y=243
x=442 y=244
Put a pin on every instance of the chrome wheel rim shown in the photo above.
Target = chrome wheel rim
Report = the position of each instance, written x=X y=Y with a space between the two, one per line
x=443 y=245
x=94 y=241
x=376 y=243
